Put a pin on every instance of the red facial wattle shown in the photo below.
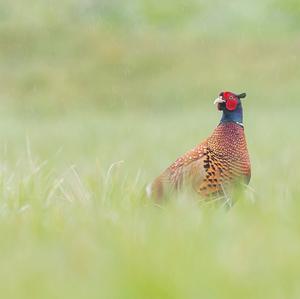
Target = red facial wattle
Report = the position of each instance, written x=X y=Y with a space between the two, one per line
x=231 y=101
x=231 y=104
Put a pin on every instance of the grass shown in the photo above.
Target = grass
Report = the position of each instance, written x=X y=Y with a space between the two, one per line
x=96 y=100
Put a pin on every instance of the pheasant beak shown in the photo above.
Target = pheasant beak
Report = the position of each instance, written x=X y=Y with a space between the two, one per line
x=219 y=100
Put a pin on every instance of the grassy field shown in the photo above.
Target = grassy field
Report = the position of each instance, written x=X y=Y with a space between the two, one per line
x=97 y=97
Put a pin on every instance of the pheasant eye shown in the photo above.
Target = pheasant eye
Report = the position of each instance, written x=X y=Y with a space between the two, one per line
x=230 y=97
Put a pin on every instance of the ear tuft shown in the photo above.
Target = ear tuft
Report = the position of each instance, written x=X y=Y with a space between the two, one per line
x=242 y=95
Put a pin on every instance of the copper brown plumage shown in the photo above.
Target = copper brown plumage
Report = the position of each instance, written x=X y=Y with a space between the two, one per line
x=217 y=162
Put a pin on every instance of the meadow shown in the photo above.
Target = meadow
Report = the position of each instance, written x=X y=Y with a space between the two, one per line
x=98 y=97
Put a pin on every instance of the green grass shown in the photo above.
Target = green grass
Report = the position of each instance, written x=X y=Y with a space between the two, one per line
x=96 y=98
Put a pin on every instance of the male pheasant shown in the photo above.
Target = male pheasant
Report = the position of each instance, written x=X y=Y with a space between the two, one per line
x=216 y=163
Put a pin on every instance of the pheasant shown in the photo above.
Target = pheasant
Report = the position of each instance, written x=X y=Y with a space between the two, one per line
x=215 y=164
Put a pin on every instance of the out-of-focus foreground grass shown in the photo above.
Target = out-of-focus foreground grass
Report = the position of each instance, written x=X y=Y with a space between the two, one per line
x=97 y=97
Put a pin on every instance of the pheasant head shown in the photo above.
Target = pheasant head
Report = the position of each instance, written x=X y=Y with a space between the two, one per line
x=231 y=106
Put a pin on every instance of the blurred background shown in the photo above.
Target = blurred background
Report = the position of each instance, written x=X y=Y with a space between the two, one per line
x=84 y=77
x=96 y=98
